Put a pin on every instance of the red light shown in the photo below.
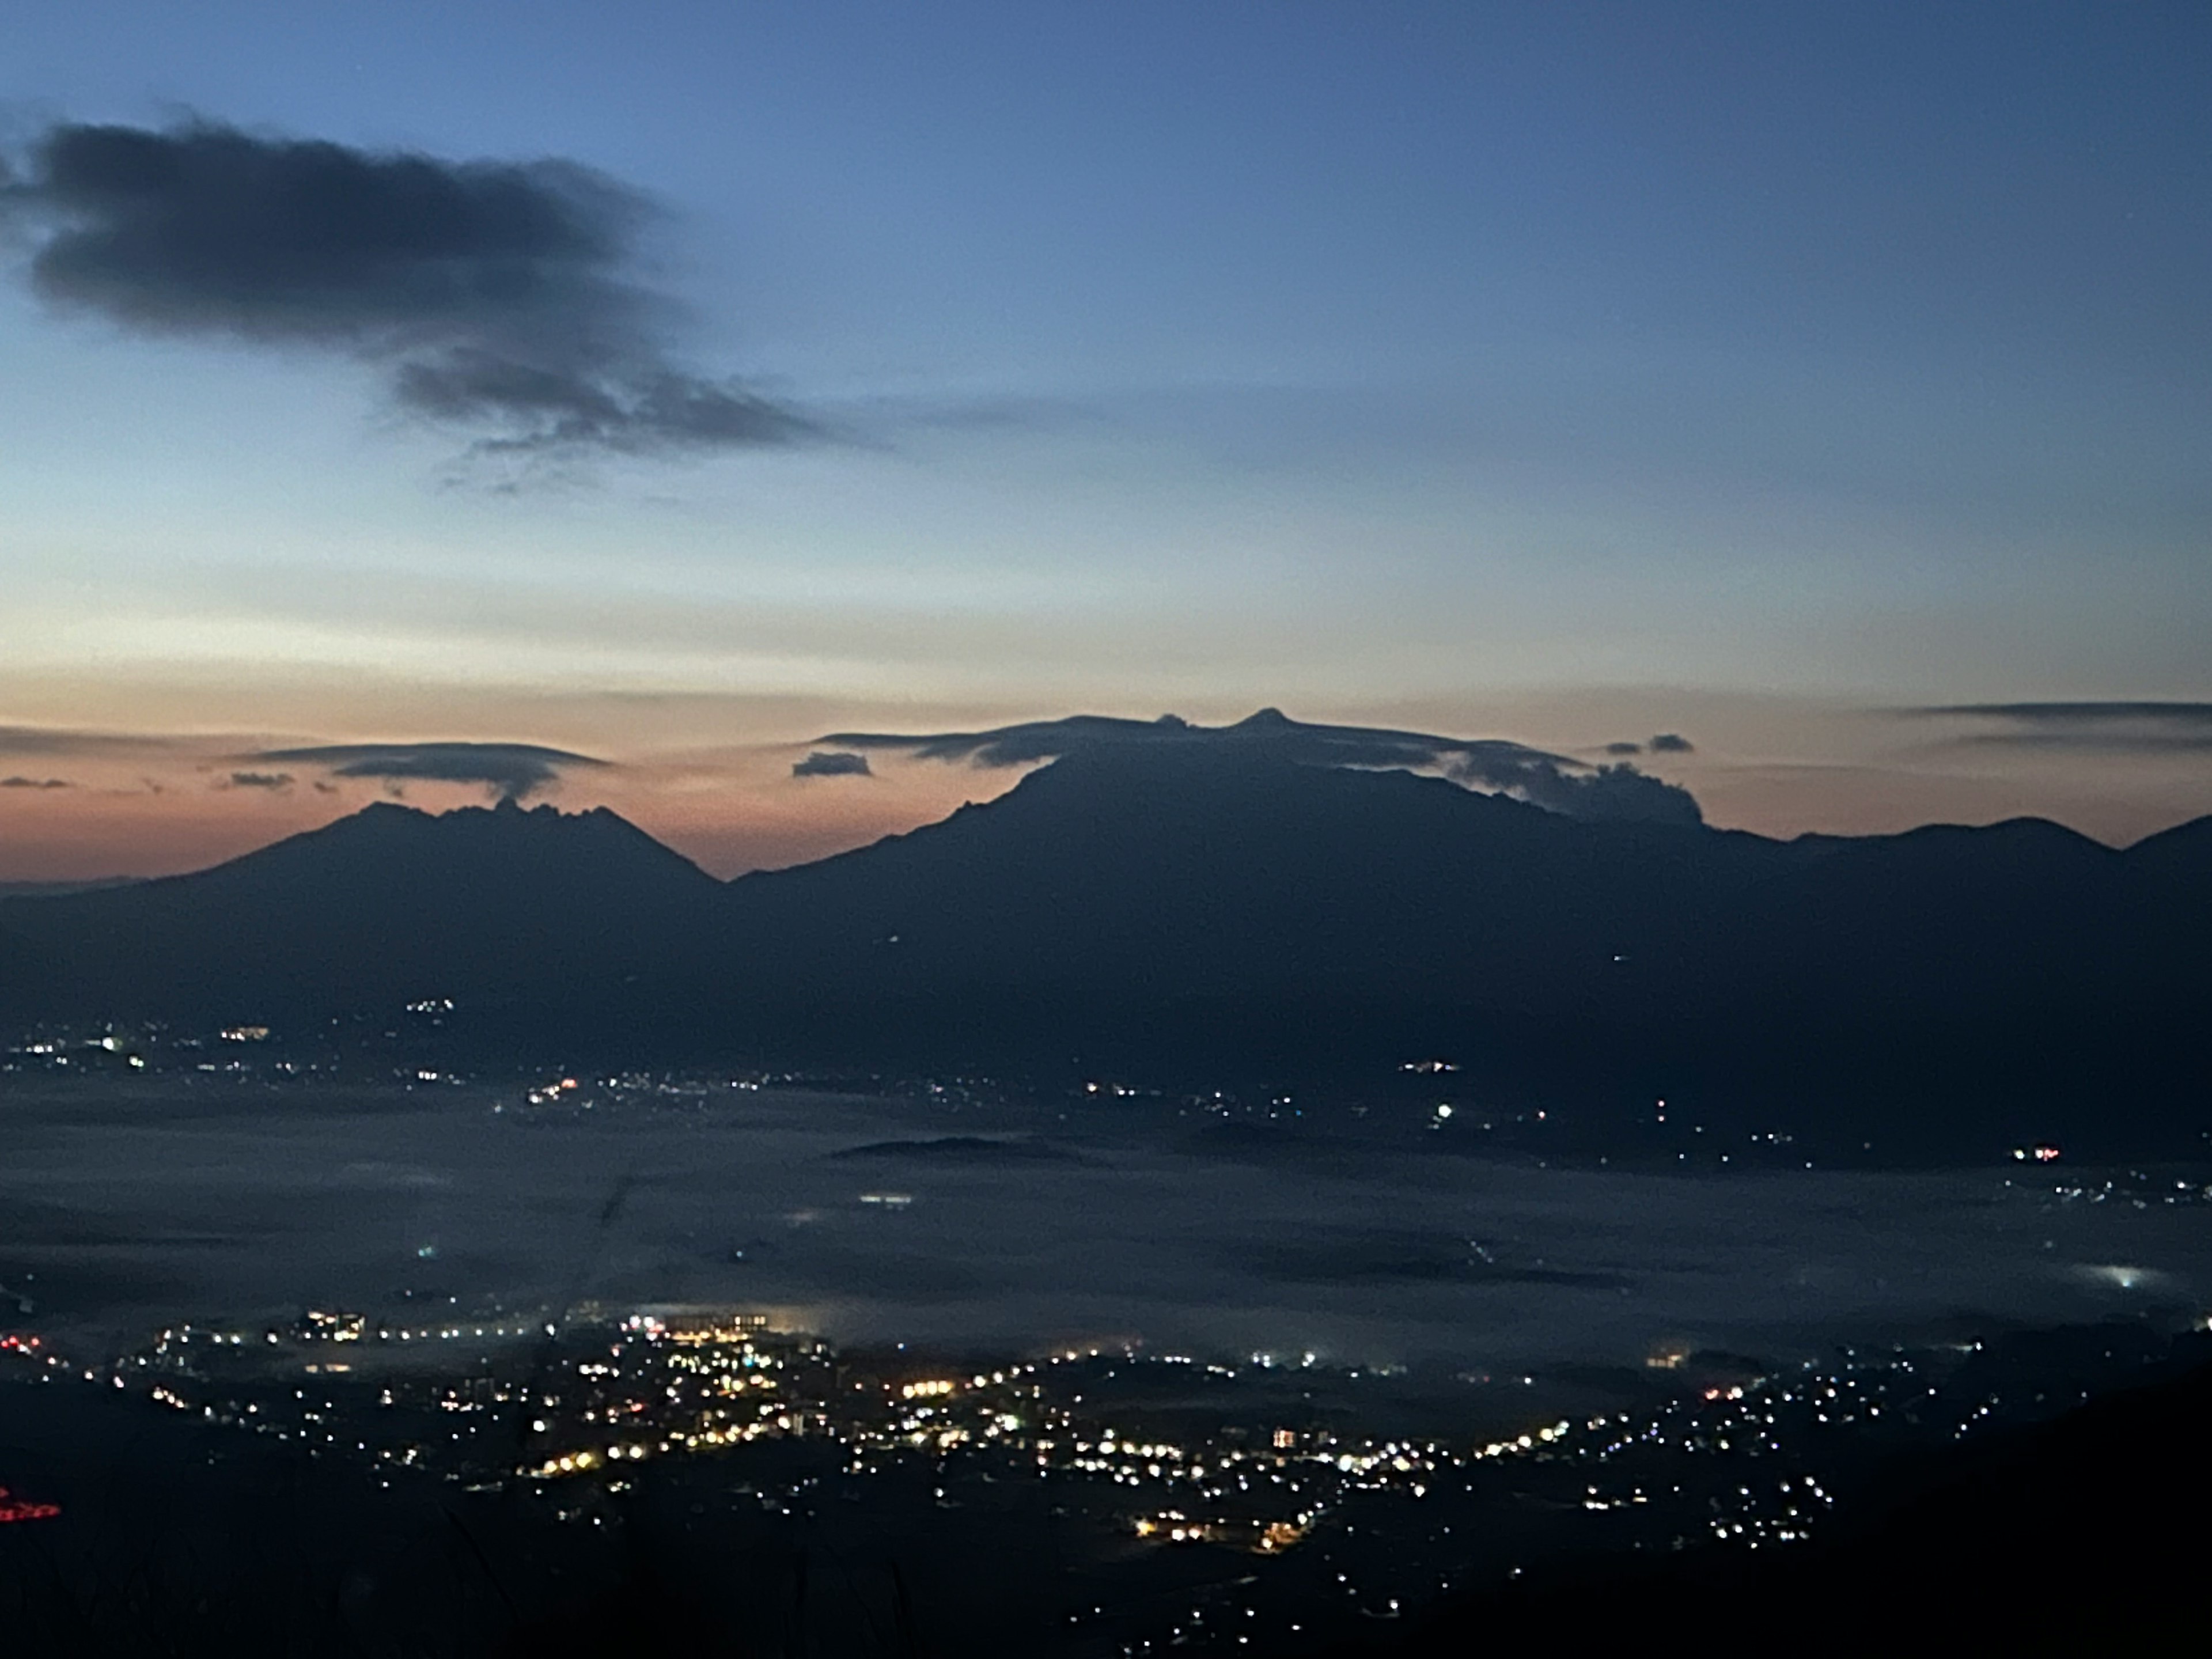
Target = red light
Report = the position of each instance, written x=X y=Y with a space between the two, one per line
x=12 y=1509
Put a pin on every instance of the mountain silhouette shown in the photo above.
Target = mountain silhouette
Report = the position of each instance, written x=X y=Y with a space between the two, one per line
x=1243 y=914
x=1194 y=913
x=385 y=907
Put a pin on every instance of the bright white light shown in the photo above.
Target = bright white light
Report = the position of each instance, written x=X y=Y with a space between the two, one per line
x=2121 y=1276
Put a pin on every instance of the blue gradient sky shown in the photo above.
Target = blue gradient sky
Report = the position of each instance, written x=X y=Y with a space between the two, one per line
x=1561 y=373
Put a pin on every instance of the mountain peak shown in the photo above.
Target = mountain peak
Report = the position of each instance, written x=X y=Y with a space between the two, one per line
x=504 y=844
x=498 y=900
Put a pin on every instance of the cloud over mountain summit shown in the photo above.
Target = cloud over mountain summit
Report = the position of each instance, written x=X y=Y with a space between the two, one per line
x=511 y=770
x=1559 y=783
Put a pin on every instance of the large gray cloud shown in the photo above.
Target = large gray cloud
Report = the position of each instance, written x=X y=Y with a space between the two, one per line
x=1558 y=782
x=514 y=770
x=2128 y=727
x=500 y=296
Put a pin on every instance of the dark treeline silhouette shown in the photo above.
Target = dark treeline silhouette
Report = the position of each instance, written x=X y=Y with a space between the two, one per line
x=1188 y=915
x=2084 y=1533
x=181 y=1538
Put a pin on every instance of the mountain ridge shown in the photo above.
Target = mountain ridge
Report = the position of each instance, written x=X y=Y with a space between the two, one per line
x=1179 y=911
x=387 y=901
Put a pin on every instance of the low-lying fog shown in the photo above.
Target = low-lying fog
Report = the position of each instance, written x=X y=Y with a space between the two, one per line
x=122 y=1210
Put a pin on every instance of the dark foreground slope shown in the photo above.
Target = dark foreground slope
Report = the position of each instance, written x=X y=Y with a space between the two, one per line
x=188 y=1540
x=1187 y=916
x=2084 y=1535
x=180 y=1537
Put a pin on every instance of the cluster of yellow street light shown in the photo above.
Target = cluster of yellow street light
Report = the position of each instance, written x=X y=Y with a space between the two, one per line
x=1174 y=1526
x=1525 y=1443
x=583 y=1462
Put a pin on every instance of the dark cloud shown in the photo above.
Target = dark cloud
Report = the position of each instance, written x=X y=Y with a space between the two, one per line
x=52 y=740
x=35 y=740
x=2082 y=714
x=35 y=783
x=2116 y=727
x=500 y=296
x=1623 y=749
x=259 y=781
x=1558 y=782
x=513 y=770
x=830 y=763
x=1671 y=743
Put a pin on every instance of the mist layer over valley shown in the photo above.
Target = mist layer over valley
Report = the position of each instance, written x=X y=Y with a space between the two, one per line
x=1019 y=1228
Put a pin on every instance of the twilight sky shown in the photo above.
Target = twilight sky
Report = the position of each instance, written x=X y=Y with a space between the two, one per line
x=670 y=385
